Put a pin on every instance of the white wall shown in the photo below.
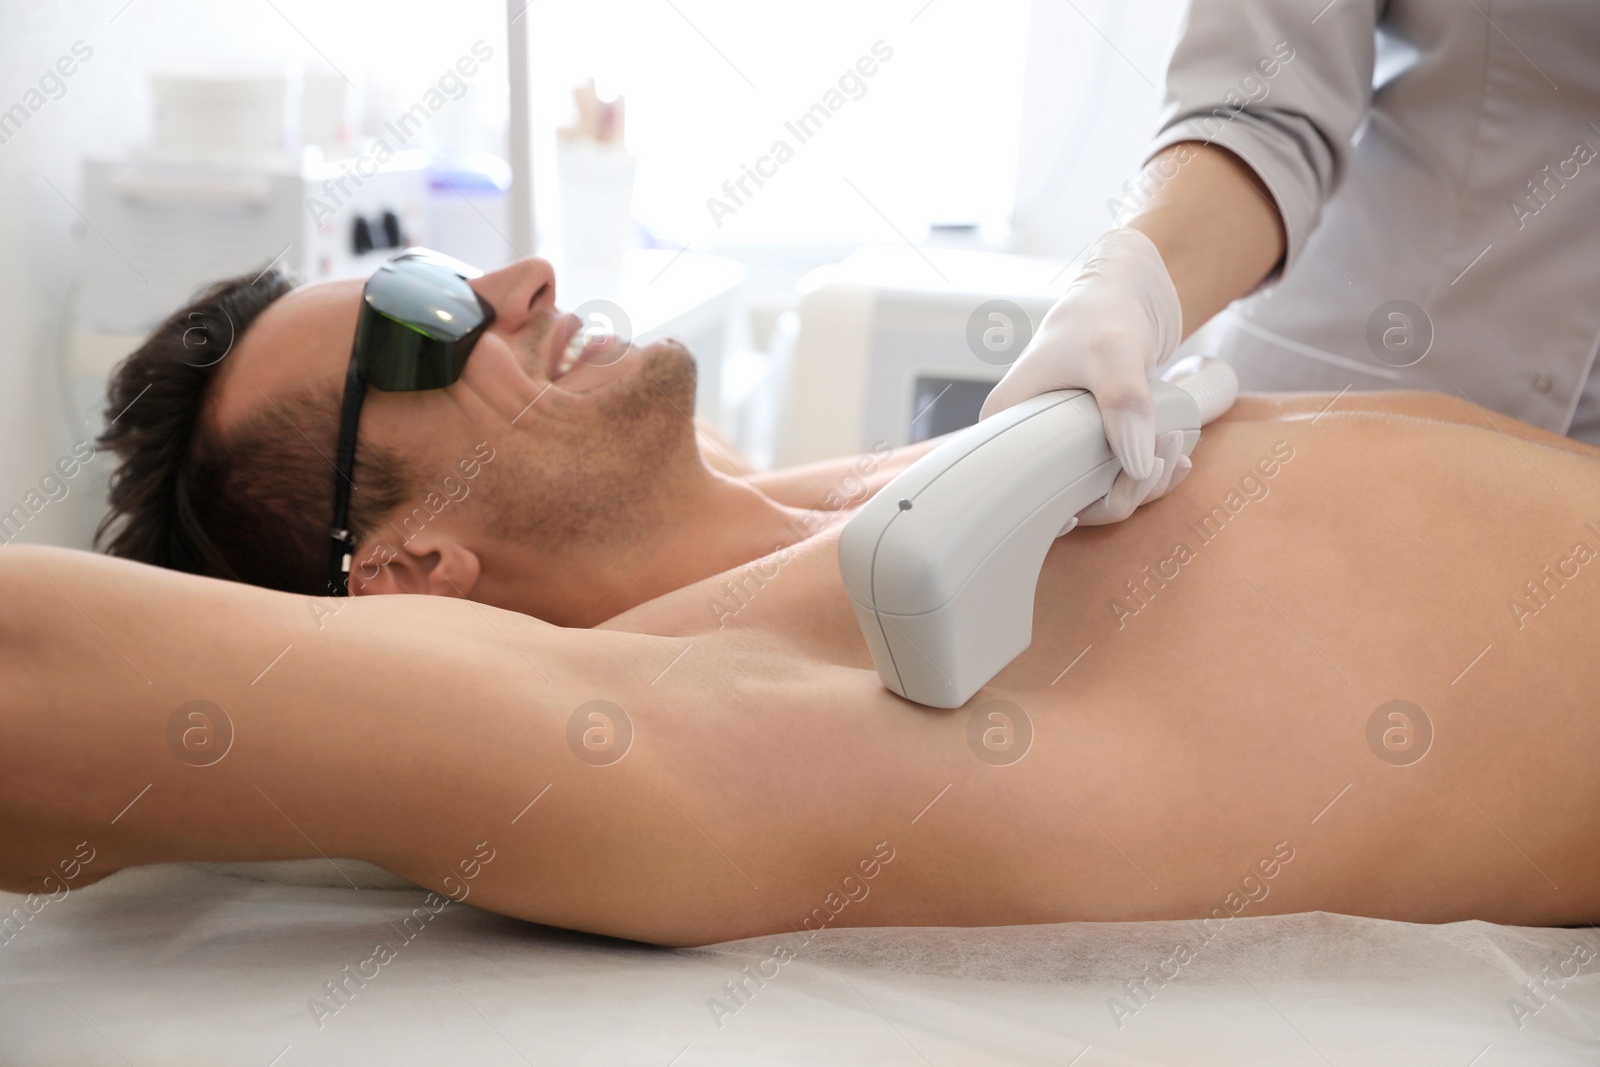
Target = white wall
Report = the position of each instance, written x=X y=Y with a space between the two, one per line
x=1112 y=55
x=104 y=108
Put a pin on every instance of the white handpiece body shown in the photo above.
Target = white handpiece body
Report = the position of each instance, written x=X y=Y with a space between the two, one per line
x=942 y=563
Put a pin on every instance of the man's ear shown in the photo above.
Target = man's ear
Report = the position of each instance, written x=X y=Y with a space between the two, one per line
x=435 y=564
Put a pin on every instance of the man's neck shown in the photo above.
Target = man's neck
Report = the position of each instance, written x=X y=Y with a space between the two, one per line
x=727 y=524
x=713 y=524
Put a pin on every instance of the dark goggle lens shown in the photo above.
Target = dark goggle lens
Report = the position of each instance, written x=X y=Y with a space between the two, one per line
x=419 y=320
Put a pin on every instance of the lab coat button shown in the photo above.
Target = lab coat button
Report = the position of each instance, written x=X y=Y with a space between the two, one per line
x=1542 y=382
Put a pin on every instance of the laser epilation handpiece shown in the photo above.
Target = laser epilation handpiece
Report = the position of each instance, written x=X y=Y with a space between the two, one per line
x=942 y=563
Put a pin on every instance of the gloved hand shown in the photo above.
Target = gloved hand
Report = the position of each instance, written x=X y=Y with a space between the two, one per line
x=1118 y=320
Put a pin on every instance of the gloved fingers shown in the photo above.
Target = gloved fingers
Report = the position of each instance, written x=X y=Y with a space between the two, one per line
x=1127 y=411
x=1169 y=449
x=1007 y=391
x=1126 y=494
x=1018 y=384
x=1116 y=322
x=1132 y=437
x=1117 y=378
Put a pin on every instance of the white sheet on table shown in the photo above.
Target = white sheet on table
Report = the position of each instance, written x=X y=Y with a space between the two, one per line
x=176 y=965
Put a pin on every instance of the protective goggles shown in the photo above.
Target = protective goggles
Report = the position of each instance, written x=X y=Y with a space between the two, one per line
x=418 y=322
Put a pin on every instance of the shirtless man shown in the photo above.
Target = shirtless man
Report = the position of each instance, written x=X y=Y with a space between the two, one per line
x=1202 y=726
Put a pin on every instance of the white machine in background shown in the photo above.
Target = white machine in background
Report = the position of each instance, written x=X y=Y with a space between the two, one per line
x=161 y=229
x=251 y=169
x=244 y=169
x=886 y=352
x=158 y=229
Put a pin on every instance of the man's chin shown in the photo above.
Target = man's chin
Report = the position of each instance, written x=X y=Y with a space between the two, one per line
x=665 y=367
x=659 y=381
x=676 y=355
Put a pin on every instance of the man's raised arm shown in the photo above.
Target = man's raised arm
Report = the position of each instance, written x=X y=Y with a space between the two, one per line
x=148 y=716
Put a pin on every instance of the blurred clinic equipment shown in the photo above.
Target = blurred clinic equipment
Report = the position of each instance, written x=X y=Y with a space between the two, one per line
x=244 y=169
x=596 y=175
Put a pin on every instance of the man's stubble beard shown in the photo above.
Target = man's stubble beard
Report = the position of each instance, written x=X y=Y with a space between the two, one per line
x=616 y=486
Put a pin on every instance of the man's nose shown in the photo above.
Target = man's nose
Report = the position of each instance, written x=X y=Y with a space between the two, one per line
x=519 y=293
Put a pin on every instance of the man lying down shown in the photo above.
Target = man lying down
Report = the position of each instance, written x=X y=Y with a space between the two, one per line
x=1204 y=724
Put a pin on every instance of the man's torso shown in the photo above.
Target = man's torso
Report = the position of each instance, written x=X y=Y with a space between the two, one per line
x=1211 y=684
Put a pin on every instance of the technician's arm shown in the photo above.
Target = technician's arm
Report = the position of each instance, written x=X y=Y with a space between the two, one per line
x=1214 y=224
x=1281 y=88
x=1262 y=103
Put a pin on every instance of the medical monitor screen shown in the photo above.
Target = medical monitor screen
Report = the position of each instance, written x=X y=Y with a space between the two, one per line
x=945 y=405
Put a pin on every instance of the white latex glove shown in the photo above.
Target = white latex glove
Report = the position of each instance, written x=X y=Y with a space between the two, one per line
x=1118 y=320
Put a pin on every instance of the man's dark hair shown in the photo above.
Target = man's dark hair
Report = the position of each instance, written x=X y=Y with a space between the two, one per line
x=253 y=503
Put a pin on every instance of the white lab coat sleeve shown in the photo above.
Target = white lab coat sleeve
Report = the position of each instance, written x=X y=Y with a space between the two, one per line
x=1283 y=88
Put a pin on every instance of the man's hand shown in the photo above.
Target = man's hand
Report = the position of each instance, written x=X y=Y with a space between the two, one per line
x=1118 y=320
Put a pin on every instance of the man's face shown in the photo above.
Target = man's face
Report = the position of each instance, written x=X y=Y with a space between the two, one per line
x=581 y=456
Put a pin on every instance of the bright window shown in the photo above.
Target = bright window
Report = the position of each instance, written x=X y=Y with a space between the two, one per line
x=714 y=87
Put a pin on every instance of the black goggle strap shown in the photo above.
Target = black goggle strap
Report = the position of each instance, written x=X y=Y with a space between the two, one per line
x=343 y=544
